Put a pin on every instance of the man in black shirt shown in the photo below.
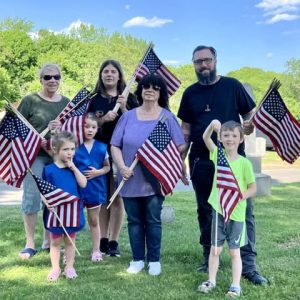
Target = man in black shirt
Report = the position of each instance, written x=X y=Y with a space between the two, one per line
x=225 y=99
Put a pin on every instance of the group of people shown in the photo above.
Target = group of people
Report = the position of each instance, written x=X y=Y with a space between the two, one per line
x=111 y=140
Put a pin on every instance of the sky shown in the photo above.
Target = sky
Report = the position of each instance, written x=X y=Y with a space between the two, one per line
x=246 y=33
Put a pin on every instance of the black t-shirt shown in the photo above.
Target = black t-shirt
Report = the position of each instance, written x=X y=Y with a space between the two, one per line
x=101 y=105
x=200 y=104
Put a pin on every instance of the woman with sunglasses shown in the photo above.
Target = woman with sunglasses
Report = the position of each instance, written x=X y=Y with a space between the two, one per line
x=141 y=192
x=40 y=109
x=109 y=88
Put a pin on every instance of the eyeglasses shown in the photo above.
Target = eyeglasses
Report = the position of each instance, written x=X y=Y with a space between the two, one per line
x=199 y=61
x=154 y=87
x=49 y=77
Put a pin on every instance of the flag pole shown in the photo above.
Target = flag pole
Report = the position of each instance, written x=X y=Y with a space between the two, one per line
x=275 y=84
x=121 y=184
x=53 y=210
x=90 y=95
x=127 y=88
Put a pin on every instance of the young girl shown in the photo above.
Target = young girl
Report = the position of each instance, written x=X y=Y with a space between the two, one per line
x=64 y=174
x=92 y=160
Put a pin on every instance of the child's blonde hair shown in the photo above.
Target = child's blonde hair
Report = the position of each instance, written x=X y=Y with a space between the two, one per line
x=231 y=125
x=59 y=139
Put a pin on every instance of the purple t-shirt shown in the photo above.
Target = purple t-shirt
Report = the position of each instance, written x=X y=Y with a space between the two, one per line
x=129 y=135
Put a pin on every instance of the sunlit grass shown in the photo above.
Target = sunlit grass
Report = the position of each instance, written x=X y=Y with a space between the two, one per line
x=278 y=245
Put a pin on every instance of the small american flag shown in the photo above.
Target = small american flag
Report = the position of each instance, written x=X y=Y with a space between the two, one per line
x=274 y=119
x=73 y=120
x=83 y=93
x=152 y=64
x=66 y=206
x=228 y=188
x=19 y=146
x=161 y=157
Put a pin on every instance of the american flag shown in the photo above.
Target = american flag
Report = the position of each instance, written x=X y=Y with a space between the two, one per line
x=228 y=188
x=66 y=206
x=83 y=93
x=160 y=156
x=73 y=120
x=274 y=119
x=152 y=64
x=19 y=146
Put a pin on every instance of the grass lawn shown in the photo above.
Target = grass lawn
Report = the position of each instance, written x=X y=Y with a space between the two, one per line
x=271 y=160
x=278 y=245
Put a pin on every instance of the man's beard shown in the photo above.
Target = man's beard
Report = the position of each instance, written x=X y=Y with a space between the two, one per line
x=208 y=77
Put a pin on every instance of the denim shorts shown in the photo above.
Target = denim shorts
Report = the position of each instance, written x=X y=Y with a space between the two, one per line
x=31 y=199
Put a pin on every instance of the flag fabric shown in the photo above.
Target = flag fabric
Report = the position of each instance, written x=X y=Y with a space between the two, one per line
x=19 y=146
x=64 y=115
x=66 y=206
x=73 y=120
x=228 y=188
x=274 y=119
x=161 y=157
x=152 y=64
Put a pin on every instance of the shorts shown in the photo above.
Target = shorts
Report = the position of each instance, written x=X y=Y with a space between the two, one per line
x=233 y=232
x=31 y=199
x=91 y=206
x=54 y=236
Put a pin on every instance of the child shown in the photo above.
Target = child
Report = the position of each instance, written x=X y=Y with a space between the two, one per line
x=231 y=136
x=65 y=175
x=92 y=160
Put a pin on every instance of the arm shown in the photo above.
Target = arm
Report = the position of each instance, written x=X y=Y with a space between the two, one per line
x=93 y=172
x=251 y=191
x=247 y=124
x=125 y=172
x=186 y=130
x=215 y=125
x=80 y=178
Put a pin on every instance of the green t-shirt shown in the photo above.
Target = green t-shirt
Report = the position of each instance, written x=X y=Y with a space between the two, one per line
x=243 y=172
x=39 y=112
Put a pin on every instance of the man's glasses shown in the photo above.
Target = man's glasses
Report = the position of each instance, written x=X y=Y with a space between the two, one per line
x=48 y=77
x=154 y=87
x=199 y=61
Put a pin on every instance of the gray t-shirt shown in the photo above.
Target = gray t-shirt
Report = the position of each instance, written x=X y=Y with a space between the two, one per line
x=129 y=135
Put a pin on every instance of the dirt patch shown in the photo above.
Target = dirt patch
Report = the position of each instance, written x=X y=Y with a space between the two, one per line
x=292 y=243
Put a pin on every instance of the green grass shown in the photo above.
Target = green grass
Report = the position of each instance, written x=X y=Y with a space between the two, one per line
x=271 y=160
x=278 y=245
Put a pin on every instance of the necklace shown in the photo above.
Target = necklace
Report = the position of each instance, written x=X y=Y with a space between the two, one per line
x=207 y=109
x=210 y=99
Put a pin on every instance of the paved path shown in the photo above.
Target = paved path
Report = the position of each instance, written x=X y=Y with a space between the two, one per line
x=13 y=196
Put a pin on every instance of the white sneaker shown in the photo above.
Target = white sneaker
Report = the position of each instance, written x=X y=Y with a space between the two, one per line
x=136 y=267
x=154 y=268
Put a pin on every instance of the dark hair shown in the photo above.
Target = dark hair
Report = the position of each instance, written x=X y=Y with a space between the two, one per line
x=231 y=125
x=154 y=79
x=61 y=137
x=202 y=47
x=92 y=116
x=100 y=88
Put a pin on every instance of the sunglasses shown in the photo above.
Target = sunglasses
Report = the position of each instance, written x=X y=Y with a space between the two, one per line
x=154 y=87
x=49 y=77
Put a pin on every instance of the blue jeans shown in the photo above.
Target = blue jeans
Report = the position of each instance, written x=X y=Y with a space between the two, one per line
x=144 y=226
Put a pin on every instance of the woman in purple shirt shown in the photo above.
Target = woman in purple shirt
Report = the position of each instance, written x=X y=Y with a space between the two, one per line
x=141 y=192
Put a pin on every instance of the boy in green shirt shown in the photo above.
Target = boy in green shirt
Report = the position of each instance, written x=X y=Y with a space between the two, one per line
x=231 y=136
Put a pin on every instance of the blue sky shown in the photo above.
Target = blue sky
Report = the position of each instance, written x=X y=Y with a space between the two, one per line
x=254 y=33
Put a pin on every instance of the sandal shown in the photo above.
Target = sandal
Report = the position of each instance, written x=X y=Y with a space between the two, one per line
x=53 y=275
x=206 y=287
x=233 y=292
x=96 y=256
x=70 y=273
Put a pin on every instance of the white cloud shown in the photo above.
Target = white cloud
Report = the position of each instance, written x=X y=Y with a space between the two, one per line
x=172 y=62
x=127 y=6
x=74 y=25
x=142 y=21
x=278 y=10
x=269 y=55
x=282 y=17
